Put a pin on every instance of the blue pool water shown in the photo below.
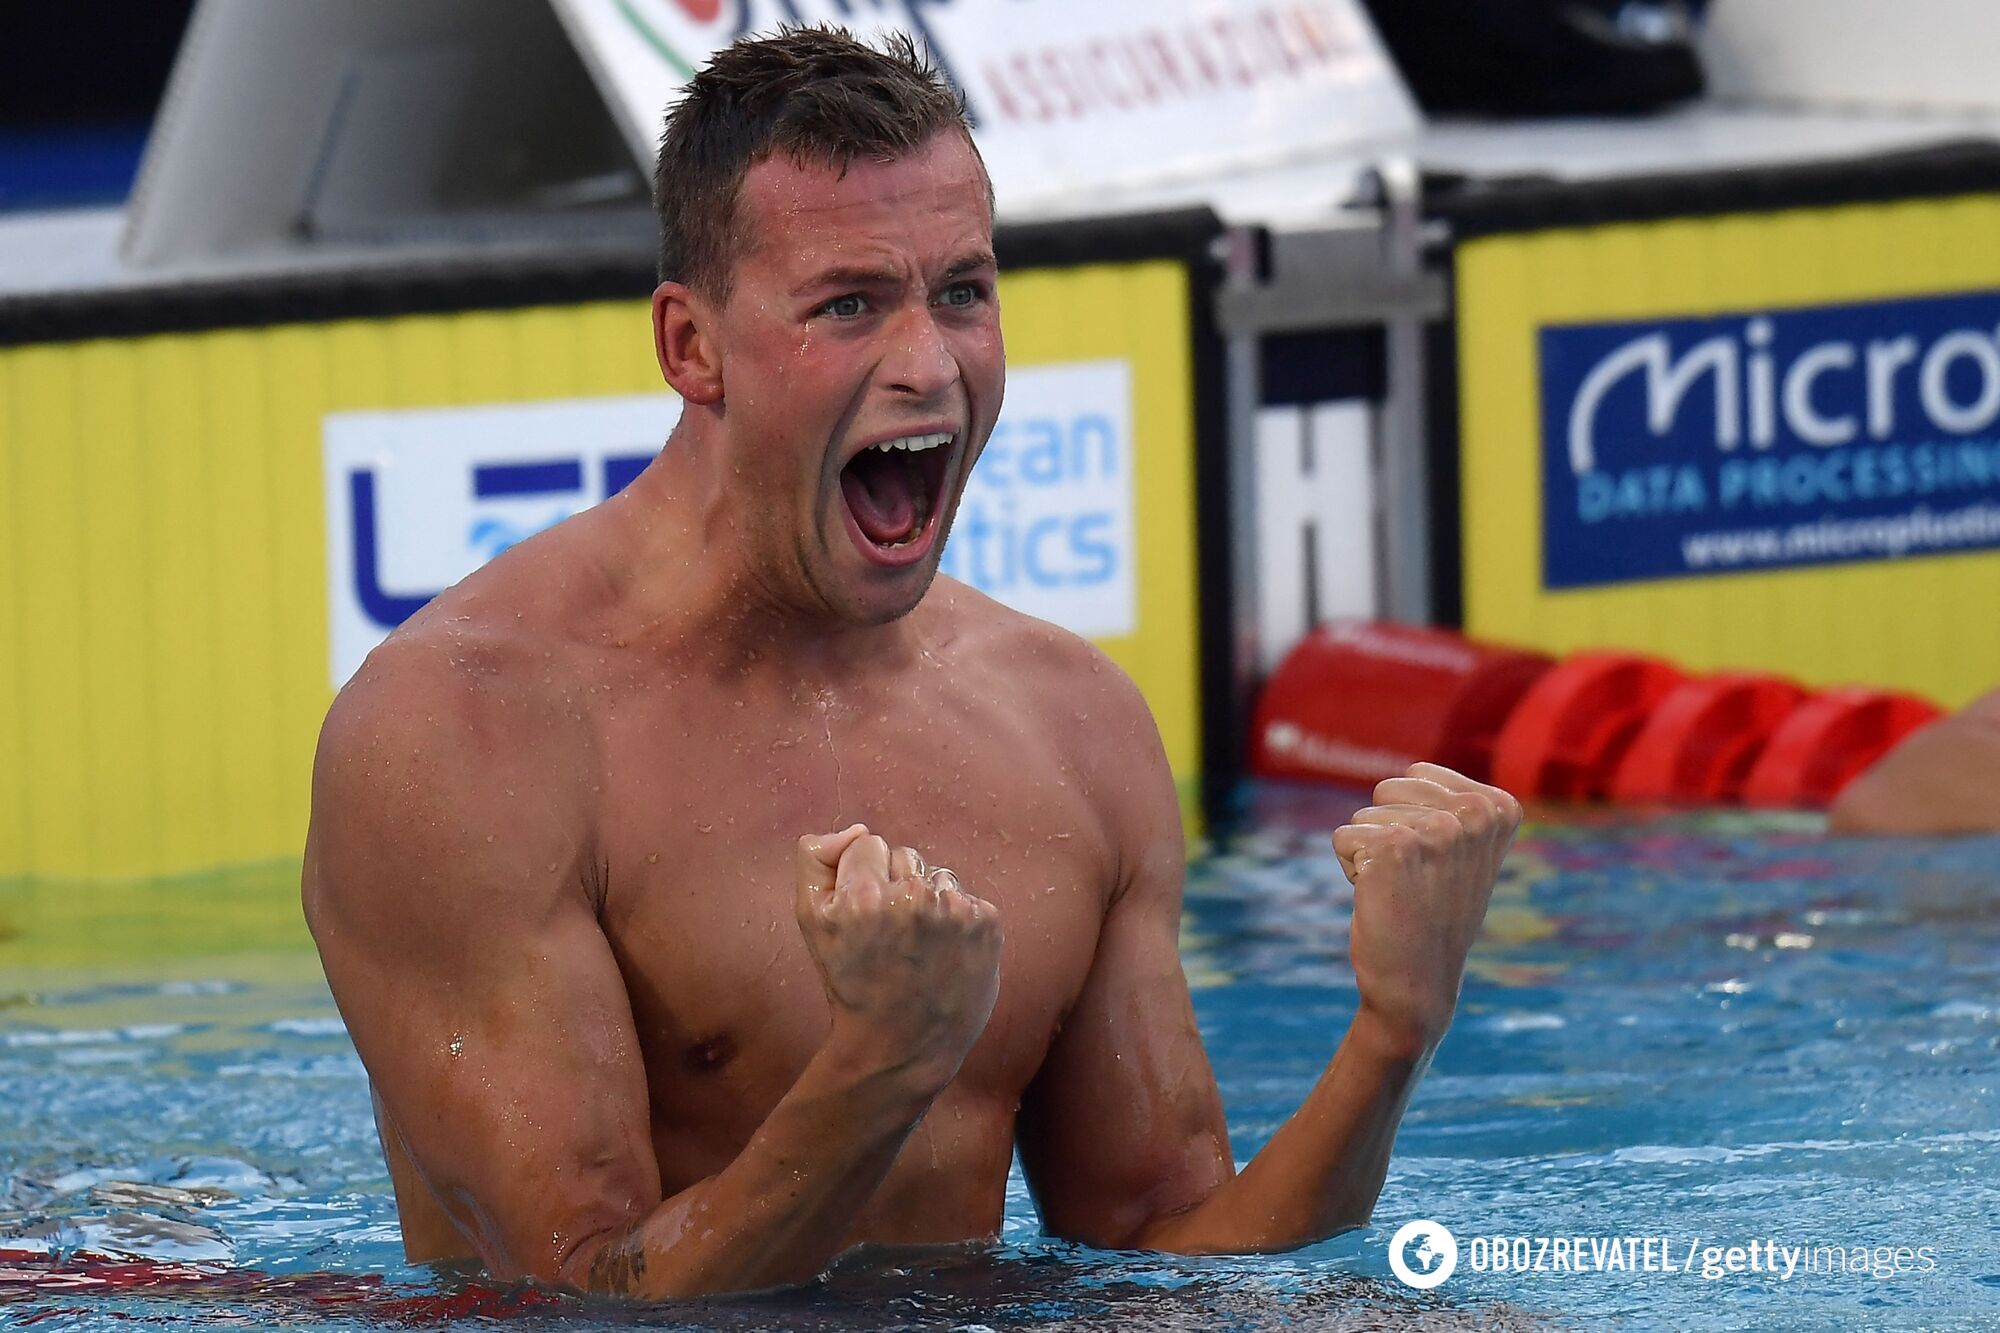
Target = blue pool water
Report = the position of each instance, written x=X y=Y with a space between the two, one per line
x=1711 y=1031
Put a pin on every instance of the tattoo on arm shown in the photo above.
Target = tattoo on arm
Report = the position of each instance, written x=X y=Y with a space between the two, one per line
x=620 y=1267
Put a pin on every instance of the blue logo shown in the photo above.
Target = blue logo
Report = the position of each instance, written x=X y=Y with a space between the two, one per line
x=1773 y=439
x=548 y=480
x=1042 y=509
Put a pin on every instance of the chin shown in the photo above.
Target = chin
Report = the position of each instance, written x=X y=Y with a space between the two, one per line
x=882 y=606
x=871 y=587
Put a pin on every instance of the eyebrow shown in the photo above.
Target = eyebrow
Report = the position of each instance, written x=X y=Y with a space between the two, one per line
x=971 y=263
x=848 y=277
x=856 y=276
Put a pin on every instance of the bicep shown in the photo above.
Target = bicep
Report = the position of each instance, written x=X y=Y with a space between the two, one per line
x=513 y=1082
x=1123 y=1125
x=486 y=1004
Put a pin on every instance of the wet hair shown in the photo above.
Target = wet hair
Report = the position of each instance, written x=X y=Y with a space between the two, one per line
x=817 y=95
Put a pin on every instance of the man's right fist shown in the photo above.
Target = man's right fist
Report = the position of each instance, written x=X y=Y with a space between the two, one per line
x=911 y=961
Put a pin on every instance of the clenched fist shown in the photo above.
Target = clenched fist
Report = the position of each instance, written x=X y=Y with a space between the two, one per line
x=911 y=961
x=1422 y=860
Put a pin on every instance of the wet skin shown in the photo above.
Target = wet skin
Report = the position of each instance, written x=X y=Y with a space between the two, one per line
x=645 y=1012
x=1943 y=778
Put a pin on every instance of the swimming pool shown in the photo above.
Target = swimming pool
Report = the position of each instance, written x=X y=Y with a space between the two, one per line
x=1695 y=1032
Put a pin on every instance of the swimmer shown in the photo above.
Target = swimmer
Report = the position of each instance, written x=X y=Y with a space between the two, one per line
x=708 y=888
x=1943 y=778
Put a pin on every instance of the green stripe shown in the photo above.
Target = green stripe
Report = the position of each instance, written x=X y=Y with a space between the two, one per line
x=70 y=923
x=654 y=40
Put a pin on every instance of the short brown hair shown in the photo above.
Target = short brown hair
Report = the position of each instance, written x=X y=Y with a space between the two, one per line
x=817 y=95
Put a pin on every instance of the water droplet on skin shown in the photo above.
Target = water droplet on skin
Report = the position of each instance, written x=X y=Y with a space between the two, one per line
x=652 y=858
x=700 y=827
x=456 y=1046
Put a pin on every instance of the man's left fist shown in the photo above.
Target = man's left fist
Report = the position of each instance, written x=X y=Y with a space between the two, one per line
x=1422 y=860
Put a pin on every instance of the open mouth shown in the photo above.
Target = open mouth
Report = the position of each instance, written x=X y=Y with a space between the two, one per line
x=892 y=491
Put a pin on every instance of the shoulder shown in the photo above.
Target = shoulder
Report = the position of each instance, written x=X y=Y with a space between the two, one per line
x=480 y=673
x=1943 y=778
x=448 y=762
x=453 y=690
x=1089 y=714
x=1055 y=674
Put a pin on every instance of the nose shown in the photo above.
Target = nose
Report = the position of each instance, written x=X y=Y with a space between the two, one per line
x=919 y=362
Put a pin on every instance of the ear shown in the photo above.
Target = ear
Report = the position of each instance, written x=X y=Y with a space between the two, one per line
x=684 y=341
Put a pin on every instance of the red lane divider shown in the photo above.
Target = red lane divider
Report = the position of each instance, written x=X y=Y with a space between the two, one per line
x=1828 y=740
x=1701 y=740
x=1358 y=701
x=1567 y=735
x=282 y=1297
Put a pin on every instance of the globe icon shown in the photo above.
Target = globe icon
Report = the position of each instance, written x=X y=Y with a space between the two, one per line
x=1423 y=1253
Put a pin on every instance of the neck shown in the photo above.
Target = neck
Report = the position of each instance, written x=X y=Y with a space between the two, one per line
x=695 y=577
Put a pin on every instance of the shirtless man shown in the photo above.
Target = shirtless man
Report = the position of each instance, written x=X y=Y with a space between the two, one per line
x=628 y=1029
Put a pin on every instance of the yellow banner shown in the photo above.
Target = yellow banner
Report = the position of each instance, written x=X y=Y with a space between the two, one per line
x=1753 y=439
x=164 y=555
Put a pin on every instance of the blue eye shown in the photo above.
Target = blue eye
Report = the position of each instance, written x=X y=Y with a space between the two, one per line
x=844 y=307
x=960 y=294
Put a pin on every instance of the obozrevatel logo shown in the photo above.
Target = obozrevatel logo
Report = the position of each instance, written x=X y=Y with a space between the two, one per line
x=1422 y=1253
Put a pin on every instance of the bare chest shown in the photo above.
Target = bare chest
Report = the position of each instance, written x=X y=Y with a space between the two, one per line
x=703 y=806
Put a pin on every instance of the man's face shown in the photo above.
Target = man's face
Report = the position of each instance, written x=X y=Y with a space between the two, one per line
x=862 y=314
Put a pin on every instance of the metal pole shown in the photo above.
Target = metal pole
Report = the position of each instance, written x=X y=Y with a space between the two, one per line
x=1240 y=249
x=1405 y=475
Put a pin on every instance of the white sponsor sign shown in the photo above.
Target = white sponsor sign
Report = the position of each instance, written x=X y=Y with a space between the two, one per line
x=1045 y=524
x=1066 y=96
x=418 y=499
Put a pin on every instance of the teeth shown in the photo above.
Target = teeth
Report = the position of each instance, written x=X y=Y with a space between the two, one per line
x=915 y=443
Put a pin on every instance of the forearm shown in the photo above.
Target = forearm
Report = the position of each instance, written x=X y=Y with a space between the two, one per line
x=778 y=1212
x=1321 y=1172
